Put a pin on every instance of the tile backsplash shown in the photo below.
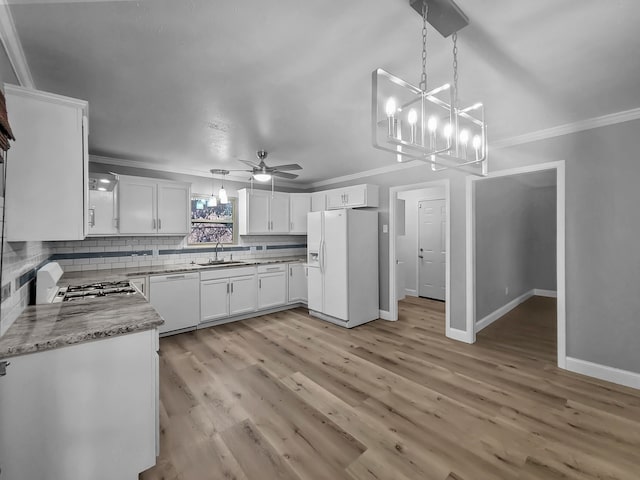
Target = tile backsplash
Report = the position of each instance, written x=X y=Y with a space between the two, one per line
x=100 y=253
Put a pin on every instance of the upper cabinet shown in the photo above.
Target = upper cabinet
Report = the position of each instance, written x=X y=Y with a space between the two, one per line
x=48 y=160
x=318 y=201
x=153 y=207
x=263 y=213
x=103 y=213
x=364 y=195
x=299 y=206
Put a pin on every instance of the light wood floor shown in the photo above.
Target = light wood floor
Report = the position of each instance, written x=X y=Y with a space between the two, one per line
x=287 y=396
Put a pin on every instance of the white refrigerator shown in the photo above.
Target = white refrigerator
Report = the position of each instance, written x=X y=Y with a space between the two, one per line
x=342 y=256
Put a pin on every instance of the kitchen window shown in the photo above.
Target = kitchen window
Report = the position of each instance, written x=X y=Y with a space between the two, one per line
x=210 y=225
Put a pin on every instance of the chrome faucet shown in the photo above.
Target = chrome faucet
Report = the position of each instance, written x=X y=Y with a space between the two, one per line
x=217 y=249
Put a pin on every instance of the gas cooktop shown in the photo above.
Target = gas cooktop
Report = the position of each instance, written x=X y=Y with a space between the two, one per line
x=93 y=290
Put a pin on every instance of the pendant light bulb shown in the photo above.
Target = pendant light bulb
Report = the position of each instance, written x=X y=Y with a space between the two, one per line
x=412 y=117
x=222 y=194
x=390 y=107
x=477 y=142
x=212 y=201
x=432 y=124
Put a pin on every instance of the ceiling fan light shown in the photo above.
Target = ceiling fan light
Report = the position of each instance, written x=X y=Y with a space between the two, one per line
x=262 y=177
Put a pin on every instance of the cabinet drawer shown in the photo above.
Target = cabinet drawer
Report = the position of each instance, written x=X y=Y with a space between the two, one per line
x=226 y=272
x=271 y=268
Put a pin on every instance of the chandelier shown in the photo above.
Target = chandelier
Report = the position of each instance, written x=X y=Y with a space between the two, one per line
x=415 y=123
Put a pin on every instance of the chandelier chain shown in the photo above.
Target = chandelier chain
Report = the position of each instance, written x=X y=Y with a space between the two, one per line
x=423 y=78
x=455 y=69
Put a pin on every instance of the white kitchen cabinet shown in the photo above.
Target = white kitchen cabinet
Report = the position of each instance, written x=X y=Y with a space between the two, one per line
x=263 y=213
x=150 y=207
x=299 y=206
x=365 y=195
x=297 y=291
x=47 y=170
x=102 y=218
x=227 y=292
x=83 y=411
x=318 y=201
x=272 y=286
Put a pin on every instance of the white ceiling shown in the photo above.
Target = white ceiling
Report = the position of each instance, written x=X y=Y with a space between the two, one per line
x=197 y=84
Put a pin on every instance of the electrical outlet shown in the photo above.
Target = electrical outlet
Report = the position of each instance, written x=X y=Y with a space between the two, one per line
x=506 y=290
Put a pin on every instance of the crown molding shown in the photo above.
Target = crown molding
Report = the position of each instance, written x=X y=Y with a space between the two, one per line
x=13 y=47
x=368 y=173
x=568 y=128
x=119 y=162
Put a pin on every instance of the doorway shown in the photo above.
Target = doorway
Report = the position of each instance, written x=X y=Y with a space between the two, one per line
x=557 y=169
x=396 y=229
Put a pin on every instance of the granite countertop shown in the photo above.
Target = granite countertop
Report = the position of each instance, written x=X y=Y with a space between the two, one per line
x=44 y=327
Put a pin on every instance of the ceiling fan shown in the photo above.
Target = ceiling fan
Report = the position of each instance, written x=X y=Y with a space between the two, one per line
x=263 y=172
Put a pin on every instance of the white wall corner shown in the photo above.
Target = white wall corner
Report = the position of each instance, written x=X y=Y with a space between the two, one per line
x=545 y=293
x=503 y=310
x=459 y=335
x=385 y=315
x=604 y=372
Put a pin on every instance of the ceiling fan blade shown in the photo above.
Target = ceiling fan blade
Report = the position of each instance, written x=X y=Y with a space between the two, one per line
x=251 y=164
x=289 y=166
x=290 y=176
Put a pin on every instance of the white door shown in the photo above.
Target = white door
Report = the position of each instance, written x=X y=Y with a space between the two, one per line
x=242 y=298
x=214 y=299
x=279 y=213
x=300 y=205
x=272 y=289
x=137 y=210
x=334 y=257
x=431 y=249
x=173 y=209
x=258 y=213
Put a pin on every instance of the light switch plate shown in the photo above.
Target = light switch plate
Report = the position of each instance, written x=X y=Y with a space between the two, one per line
x=385 y=228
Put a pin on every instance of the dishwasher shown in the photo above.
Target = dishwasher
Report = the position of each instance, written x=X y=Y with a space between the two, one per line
x=177 y=300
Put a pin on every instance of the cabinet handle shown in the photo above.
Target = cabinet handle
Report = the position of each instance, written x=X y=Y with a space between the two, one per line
x=153 y=223
x=291 y=271
x=227 y=288
x=159 y=224
x=291 y=226
x=3 y=368
x=259 y=283
x=92 y=217
x=232 y=288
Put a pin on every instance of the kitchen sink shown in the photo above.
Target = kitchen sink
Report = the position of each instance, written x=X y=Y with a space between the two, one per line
x=220 y=263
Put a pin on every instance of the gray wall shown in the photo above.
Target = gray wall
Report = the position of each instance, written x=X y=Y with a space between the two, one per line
x=515 y=241
x=602 y=228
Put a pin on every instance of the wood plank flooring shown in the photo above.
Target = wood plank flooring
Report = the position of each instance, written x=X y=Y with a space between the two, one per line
x=288 y=396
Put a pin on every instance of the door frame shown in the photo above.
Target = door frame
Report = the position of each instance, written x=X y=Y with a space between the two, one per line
x=393 y=294
x=559 y=167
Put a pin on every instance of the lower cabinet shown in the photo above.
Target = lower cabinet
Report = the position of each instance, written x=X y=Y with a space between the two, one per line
x=227 y=292
x=272 y=286
x=297 y=291
x=84 y=411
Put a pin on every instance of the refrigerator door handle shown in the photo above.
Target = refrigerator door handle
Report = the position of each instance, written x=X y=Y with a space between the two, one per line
x=321 y=256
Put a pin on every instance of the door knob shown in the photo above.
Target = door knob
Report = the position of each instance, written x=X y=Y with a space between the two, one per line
x=420 y=256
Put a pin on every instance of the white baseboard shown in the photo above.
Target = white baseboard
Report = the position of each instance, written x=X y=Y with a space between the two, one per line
x=496 y=314
x=545 y=293
x=603 y=372
x=385 y=315
x=459 y=335
x=410 y=292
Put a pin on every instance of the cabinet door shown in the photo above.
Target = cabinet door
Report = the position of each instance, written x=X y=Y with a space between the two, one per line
x=300 y=205
x=279 y=212
x=137 y=209
x=335 y=199
x=173 y=209
x=318 y=202
x=272 y=289
x=242 y=298
x=297 y=283
x=214 y=299
x=46 y=162
x=102 y=213
x=257 y=213
x=355 y=196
